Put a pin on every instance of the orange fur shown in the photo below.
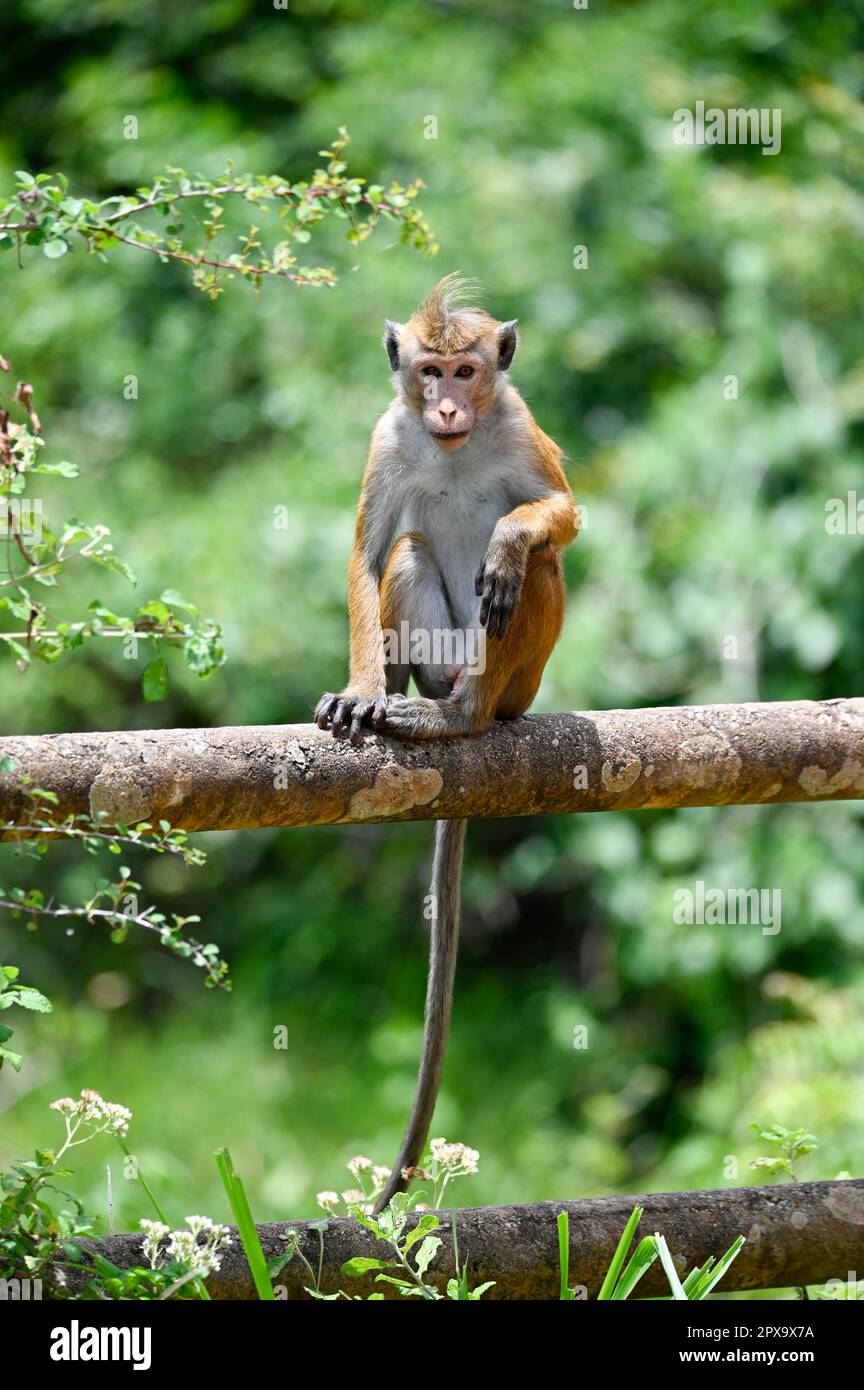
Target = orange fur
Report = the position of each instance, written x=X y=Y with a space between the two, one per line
x=442 y=327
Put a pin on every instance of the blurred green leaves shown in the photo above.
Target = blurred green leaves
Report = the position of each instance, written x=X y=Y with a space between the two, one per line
x=704 y=573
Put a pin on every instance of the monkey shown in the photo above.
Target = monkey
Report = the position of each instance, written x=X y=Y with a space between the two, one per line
x=463 y=513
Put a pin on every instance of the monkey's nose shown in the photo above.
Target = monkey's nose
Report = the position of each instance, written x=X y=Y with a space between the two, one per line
x=447 y=411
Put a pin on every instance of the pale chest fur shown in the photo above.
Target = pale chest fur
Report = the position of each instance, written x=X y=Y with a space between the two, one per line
x=455 y=499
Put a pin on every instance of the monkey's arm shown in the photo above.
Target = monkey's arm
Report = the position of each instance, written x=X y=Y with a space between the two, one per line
x=550 y=520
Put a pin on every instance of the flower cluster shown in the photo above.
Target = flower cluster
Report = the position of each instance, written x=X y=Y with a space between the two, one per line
x=458 y=1159
x=199 y=1249
x=91 y=1115
x=363 y=1170
x=444 y=1162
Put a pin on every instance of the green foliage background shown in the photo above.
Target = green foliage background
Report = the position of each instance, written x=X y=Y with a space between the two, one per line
x=706 y=518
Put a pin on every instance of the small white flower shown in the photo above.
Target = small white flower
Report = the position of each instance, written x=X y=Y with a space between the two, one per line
x=183 y=1248
x=153 y=1228
x=66 y=1105
x=154 y=1231
x=359 y=1164
x=454 y=1156
x=380 y=1176
x=91 y=1109
x=197 y=1224
x=118 y=1118
x=327 y=1200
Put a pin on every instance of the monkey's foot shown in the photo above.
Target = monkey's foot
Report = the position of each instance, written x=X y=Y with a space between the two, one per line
x=350 y=711
x=422 y=718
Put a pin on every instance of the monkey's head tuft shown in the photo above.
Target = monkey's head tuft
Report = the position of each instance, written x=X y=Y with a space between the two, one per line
x=449 y=359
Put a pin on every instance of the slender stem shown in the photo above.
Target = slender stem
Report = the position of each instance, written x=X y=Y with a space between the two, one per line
x=144 y=1183
x=72 y=832
x=166 y=197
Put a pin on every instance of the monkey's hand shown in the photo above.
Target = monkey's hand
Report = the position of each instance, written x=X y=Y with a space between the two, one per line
x=499 y=583
x=351 y=709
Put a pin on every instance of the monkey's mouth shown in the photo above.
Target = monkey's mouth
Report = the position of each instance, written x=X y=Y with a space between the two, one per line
x=447 y=434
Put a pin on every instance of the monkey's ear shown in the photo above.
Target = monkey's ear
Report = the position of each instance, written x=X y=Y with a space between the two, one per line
x=507 y=341
x=392 y=334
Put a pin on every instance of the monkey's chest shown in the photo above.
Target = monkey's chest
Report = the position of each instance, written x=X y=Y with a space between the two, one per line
x=458 y=525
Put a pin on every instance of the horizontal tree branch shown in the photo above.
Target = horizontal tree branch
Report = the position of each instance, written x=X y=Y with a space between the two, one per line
x=295 y=774
x=796 y=1233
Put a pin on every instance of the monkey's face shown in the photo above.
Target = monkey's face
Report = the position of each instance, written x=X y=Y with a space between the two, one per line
x=454 y=391
x=448 y=370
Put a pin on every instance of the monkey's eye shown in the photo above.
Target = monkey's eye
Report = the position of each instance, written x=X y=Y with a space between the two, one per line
x=464 y=371
x=432 y=371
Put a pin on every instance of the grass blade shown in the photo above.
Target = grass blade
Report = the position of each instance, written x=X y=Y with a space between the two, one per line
x=245 y=1225
x=643 y=1258
x=670 y=1270
x=566 y=1294
x=709 y=1277
x=620 y=1254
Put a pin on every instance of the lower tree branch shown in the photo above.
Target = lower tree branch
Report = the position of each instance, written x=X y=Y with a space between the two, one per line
x=295 y=774
x=796 y=1234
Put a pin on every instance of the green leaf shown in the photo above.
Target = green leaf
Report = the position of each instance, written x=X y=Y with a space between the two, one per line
x=64 y=468
x=176 y=600
x=428 y=1222
x=155 y=609
x=32 y=999
x=426 y=1254
x=203 y=654
x=14 y=1059
x=55 y=248
x=361 y=1265
x=154 y=680
x=109 y=561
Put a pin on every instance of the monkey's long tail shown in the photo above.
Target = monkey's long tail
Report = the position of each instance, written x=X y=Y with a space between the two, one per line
x=444 y=945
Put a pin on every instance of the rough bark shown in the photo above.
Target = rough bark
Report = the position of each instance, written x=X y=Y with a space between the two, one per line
x=613 y=760
x=796 y=1233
